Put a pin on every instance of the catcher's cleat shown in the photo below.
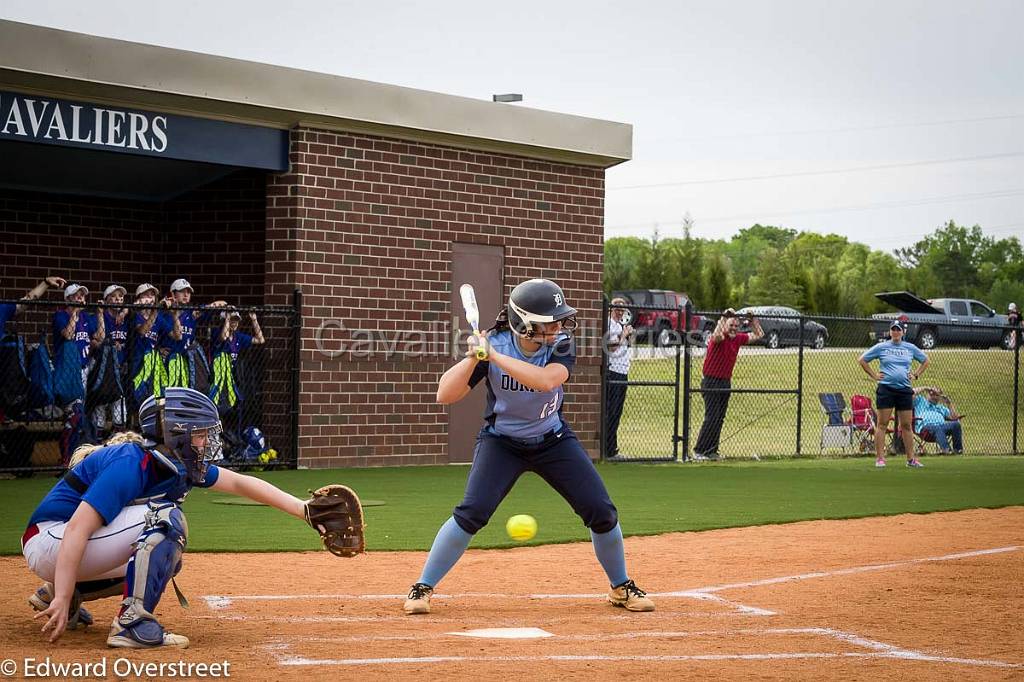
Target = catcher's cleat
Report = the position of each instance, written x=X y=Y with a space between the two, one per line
x=630 y=597
x=40 y=601
x=143 y=634
x=418 y=600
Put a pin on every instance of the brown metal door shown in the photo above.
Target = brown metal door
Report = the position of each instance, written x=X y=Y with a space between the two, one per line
x=481 y=266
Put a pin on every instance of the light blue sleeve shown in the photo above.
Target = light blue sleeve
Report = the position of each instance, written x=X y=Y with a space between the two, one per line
x=919 y=354
x=872 y=353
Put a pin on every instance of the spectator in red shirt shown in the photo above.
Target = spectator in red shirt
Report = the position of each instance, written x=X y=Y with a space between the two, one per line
x=723 y=347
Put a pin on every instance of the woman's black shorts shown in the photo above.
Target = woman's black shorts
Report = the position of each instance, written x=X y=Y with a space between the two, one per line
x=887 y=397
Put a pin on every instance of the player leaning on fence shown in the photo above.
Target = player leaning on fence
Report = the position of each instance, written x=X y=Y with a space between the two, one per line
x=723 y=348
x=895 y=358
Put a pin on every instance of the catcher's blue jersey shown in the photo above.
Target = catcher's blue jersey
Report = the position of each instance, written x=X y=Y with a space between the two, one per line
x=514 y=410
x=116 y=476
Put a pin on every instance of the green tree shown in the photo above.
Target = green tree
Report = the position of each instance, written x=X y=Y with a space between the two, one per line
x=772 y=284
x=717 y=284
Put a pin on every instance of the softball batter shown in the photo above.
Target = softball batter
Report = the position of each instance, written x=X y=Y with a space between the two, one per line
x=530 y=354
x=113 y=524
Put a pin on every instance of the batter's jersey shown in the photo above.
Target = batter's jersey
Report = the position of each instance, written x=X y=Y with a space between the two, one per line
x=113 y=477
x=513 y=409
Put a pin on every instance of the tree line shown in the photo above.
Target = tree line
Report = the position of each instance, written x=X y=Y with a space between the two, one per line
x=816 y=273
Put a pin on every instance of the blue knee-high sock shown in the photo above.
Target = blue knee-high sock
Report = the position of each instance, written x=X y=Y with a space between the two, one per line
x=449 y=545
x=610 y=552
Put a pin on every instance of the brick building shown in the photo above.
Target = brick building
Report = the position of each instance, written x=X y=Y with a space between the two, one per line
x=376 y=201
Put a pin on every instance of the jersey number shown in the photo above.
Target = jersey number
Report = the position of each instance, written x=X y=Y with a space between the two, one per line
x=549 y=408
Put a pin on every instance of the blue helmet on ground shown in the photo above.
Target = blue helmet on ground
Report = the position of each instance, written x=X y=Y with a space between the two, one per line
x=255 y=443
x=187 y=413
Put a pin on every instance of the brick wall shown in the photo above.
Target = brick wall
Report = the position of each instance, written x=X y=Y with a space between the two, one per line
x=213 y=235
x=364 y=225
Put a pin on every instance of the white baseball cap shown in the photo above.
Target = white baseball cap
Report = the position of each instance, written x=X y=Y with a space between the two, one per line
x=73 y=289
x=112 y=288
x=181 y=285
x=143 y=288
x=233 y=313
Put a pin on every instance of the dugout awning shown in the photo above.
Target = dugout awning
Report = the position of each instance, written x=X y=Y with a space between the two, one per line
x=117 y=74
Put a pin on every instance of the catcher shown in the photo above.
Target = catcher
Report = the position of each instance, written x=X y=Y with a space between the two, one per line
x=113 y=524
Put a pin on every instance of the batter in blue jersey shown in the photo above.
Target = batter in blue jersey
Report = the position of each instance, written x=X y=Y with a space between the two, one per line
x=894 y=392
x=529 y=356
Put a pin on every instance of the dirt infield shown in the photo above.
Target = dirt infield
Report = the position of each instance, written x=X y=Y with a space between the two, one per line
x=907 y=597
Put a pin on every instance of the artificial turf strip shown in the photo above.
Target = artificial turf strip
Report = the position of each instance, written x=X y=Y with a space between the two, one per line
x=651 y=499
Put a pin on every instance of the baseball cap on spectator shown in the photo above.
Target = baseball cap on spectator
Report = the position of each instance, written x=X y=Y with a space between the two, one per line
x=181 y=285
x=112 y=288
x=143 y=288
x=898 y=324
x=73 y=289
x=233 y=313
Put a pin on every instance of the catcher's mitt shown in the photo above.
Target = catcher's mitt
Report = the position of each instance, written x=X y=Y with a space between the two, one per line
x=335 y=512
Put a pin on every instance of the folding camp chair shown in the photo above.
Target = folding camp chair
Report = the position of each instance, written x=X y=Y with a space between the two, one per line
x=863 y=421
x=835 y=429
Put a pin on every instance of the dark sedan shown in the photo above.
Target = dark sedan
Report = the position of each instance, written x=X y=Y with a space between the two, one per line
x=781 y=327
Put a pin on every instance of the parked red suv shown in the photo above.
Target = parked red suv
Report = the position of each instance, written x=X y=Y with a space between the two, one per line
x=657 y=326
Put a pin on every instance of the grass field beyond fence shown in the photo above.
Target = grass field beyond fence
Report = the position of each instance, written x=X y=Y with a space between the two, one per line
x=979 y=381
x=651 y=499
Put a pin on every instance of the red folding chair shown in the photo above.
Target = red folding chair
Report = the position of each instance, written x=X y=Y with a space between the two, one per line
x=863 y=419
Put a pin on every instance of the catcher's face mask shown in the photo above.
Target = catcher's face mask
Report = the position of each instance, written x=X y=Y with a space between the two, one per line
x=203 y=446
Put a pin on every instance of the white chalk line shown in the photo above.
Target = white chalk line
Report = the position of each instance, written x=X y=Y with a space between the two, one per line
x=281 y=650
x=491 y=619
x=220 y=602
x=848 y=571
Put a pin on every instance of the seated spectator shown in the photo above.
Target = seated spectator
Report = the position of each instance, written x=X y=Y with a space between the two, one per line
x=9 y=310
x=935 y=417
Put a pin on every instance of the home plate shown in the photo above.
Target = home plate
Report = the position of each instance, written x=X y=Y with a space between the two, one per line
x=505 y=633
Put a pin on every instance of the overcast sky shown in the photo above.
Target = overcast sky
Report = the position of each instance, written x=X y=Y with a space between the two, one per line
x=925 y=97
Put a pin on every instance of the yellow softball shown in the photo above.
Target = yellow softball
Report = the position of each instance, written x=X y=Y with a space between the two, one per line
x=521 y=527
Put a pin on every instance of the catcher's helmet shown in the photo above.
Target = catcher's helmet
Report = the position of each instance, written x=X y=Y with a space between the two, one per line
x=184 y=412
x=537 y=301
x=150 y=422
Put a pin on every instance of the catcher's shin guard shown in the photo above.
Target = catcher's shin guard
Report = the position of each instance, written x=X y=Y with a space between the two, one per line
x=156 y=560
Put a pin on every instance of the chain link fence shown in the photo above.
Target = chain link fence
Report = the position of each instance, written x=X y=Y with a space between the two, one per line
x=62 y=384
x=796 y=392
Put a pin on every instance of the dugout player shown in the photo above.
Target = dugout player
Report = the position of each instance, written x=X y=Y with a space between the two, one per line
x=9 y=310
x=178 y=343
x=113 y=524
x=895 y=357
x=530 y=354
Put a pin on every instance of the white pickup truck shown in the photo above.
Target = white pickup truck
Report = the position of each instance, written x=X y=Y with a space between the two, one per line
x=960 y=321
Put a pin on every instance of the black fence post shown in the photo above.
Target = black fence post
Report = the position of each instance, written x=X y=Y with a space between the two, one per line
x=800 y=386
x=1016 y=386
x=296 y=371
x=602 y=407
x=686 y=385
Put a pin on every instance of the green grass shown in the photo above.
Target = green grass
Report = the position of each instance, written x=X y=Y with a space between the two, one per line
x=980 y=382
x=651 y=499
